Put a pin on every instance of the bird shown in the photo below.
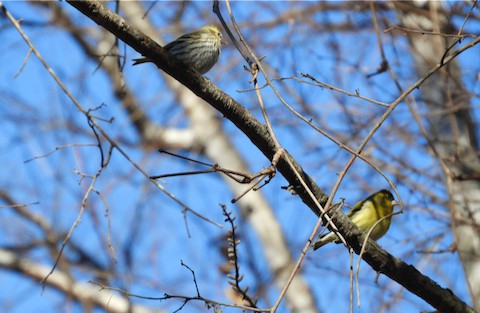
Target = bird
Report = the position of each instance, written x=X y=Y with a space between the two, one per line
x=199 y=49
x=365 y=214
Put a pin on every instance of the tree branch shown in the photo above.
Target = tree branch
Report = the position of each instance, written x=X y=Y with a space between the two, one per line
x=380 y=260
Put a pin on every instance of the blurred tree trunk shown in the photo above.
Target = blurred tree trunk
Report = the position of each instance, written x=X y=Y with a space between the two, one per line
x=451 y=129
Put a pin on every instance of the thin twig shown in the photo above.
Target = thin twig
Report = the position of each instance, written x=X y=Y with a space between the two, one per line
x=425 y=32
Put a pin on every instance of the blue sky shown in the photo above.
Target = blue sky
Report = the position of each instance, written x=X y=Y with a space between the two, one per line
x=38 y=117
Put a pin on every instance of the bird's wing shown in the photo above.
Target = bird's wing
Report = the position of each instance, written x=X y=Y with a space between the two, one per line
x=357 y=207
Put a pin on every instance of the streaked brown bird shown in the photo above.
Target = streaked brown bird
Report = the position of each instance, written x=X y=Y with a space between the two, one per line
x=199 y=49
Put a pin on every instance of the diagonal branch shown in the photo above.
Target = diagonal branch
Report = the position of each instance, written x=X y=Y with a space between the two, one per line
x=380 y=260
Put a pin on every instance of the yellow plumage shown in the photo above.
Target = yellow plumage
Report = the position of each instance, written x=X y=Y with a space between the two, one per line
x=365 y=214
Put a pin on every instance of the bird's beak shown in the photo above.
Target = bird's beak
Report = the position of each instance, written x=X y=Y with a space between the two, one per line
x=223 y=42
x=395 y=202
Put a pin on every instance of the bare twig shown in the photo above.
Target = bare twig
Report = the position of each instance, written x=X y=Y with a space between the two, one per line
x=233 y=242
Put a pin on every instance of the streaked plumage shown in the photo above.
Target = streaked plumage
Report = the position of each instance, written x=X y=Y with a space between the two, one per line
x=199 y=49
x=365 y=214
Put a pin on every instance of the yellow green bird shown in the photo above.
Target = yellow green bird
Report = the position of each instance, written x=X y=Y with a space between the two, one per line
x=365 y=214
